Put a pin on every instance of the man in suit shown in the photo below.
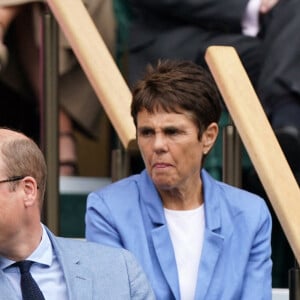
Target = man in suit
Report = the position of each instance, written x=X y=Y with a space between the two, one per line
x=262 y=31
x=62 y=268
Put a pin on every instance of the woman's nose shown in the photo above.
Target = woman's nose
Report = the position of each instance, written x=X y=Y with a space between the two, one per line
x=160 y=142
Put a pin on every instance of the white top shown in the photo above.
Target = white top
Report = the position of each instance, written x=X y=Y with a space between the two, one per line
x=250 y=22
x=186 y=228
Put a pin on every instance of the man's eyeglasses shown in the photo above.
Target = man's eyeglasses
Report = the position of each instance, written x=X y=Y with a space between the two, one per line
x=12 y=179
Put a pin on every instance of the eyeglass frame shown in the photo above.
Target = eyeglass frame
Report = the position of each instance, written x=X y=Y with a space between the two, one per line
x=12 y=179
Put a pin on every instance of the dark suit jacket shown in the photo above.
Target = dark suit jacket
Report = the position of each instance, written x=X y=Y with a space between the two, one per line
x=178 y=29
x=184 y=29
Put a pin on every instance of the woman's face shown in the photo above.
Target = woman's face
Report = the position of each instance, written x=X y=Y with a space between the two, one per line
x=170 y=147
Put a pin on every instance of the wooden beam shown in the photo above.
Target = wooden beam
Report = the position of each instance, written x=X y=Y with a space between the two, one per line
x=97 y=63
x=258 y=138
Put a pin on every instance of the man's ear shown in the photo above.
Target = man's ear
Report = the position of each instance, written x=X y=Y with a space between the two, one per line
x=209 y=137
x=30 y=190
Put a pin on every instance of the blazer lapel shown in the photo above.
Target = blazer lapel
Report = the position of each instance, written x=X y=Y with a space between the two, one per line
x=78 y=278
x=213 y=240
x=159 y=232
x=165 y=254
x=210 y=253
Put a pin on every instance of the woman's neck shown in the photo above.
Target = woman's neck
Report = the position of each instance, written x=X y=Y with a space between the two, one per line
x=182 y=199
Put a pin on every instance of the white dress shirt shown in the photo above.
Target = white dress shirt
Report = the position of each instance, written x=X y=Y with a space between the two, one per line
x=250 y=22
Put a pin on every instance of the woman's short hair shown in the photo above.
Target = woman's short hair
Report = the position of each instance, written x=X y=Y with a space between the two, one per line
x=175 y=86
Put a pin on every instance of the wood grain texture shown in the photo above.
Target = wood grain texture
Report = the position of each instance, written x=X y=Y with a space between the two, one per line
x=259 y=139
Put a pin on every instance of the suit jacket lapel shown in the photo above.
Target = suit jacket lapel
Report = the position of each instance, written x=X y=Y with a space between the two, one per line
x=78 y=278
x=165 y=254
x=159 y=232
x=213 y=240
x=210 y=253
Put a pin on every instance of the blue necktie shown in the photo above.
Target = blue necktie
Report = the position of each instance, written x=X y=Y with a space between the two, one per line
x=30 y=289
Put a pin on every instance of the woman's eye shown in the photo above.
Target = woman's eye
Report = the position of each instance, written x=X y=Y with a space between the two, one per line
x=171 y=131
x=146 y=132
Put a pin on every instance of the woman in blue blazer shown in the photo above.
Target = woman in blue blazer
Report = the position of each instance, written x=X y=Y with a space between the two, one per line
x=195 y=237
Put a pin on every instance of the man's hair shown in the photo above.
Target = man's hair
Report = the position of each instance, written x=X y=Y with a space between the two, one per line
x=178 y=85
x=22 y=157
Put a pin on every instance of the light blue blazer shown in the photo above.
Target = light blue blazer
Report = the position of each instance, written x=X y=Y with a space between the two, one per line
x=235 y=262
x=93 y=272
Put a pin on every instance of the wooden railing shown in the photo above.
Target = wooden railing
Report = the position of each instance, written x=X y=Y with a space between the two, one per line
x=259 y=139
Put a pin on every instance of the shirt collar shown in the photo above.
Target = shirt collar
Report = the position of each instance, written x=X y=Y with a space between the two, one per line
x=43 y=254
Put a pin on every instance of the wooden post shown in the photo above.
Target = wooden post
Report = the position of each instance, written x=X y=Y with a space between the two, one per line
x=98 y=64
x=49 y=118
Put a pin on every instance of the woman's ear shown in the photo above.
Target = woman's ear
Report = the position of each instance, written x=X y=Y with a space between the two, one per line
x=209 y=137
x=30 y=190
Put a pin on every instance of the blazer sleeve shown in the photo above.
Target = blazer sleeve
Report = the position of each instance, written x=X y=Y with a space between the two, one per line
x=100 y=226
x=258 y=276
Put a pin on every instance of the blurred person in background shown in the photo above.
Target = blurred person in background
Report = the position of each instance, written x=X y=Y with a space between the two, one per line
x=262 y=31
x=20 y=73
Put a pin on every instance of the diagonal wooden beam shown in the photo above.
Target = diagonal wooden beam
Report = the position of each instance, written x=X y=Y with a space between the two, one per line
x=97 y=63
x=258 y=138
